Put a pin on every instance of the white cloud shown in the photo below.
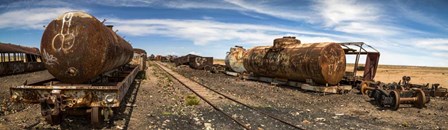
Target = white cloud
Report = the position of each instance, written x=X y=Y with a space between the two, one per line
x=125 y=3
x=34 y=18
x=203 y=32
x=178 y=4
x=440 y=54
x=354 y=17
x=40 y=3
x=335 y=12
x=393 y=58
x=267 y=9
x=433 y=43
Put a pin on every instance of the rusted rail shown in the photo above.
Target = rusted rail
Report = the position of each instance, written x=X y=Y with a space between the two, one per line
x=205 y=93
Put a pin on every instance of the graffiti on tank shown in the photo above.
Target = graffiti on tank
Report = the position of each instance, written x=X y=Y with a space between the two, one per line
x=49 y=59
x=66 y=37
x=200 y=61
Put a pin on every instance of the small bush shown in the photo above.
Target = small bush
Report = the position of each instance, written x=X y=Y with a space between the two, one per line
x=192 y=100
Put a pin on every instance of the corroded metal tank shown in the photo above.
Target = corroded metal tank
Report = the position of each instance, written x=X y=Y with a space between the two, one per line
x=323 y=63
x=234 y=59
x=76 y=47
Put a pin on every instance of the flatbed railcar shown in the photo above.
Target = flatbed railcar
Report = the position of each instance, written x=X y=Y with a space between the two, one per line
x=99 y=97
x=93 y=68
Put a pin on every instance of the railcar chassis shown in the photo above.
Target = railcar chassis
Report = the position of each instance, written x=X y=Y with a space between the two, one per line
x=99 y=98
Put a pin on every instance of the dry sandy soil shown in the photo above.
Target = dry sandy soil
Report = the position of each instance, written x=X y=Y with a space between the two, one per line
x=394 y=73
x=160 y=102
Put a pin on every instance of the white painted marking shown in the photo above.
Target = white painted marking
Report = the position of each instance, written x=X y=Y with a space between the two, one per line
x=67 y=37
x=50 y=59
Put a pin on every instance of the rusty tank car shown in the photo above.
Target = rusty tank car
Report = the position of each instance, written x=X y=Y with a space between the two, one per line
x=234 y=59
x=139 y=58
x=319 y=63
x=77 y=47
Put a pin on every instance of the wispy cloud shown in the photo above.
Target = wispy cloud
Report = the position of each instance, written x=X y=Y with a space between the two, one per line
x=203 y=32
x=433 y=44
x=179 y=4
x=34 y=18
x=30 y=4
x=335 y=12
x=266 y=8
x=125 y=3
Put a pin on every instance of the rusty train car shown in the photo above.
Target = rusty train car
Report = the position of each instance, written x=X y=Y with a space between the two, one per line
x=92 y=66
x=15 y=59
x=288 y=58
x=151 y=57
x=139 y=58
x=161 y=58
x=194 y=61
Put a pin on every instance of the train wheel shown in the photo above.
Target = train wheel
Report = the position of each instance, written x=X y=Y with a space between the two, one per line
x=364 y=86
x=53 y=119
x=421 y=99
x=95 y=117
x=51 y=113
x=395 y=104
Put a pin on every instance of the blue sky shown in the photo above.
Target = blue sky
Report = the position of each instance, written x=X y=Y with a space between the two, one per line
x=406 y=32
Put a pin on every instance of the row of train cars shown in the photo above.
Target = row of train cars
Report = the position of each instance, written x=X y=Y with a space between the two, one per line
x=94 y=78
x=318 y=67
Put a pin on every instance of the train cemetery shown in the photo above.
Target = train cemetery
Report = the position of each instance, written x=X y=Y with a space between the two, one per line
x=288 y=85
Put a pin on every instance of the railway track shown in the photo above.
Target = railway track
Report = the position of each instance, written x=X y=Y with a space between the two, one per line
x=242 y=114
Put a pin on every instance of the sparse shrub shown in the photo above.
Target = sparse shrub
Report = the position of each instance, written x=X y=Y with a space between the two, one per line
x=192 y=100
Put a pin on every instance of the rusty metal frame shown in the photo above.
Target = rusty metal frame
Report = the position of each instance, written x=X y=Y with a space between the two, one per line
x=31 y=93
x=372 y=58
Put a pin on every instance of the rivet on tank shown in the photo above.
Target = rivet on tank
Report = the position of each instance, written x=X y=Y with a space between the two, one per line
x=321 y=63
x=76 y=47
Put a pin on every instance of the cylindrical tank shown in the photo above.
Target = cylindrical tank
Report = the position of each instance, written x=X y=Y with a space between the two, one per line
x=323 y=63
x=234 y=59
x=76 y=47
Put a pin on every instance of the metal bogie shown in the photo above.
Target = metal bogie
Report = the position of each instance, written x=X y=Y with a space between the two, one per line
x=395 y=98
x=57 y=98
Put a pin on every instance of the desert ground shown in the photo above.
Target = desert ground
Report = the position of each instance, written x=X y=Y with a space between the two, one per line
x=161 y=102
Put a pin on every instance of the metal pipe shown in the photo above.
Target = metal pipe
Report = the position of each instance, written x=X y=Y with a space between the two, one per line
x=356 y=64
x=408 y=100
